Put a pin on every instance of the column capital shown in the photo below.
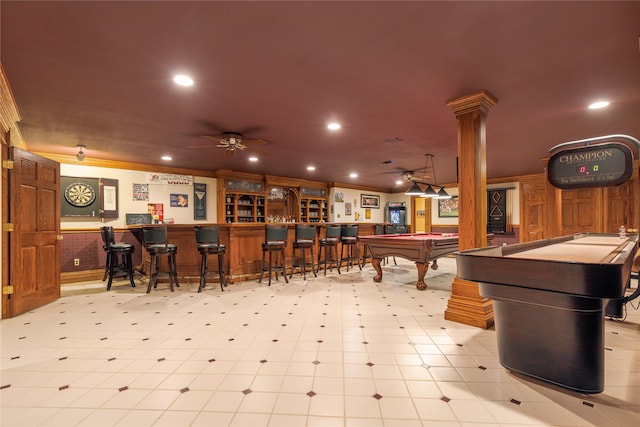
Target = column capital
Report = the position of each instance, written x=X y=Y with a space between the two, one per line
x=478 y=101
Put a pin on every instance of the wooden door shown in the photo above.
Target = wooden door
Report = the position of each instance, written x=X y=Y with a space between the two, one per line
x=581 y=211
x=534 y=214
x=34 y=209
x=620 y=206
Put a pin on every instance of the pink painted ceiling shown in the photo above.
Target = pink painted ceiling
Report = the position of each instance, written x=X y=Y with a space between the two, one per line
x=100 y=74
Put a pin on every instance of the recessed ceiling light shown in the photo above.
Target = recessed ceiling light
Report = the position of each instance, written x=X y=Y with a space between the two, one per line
x=167 y=158
x=311 y=168
x=598 y=105
x=183 y=80
x=253 y=159
x=399 y=182
x=333 y=126
x=353 y=175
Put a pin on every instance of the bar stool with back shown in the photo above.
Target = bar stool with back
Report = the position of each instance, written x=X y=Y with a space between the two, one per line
x=155 y=242
x=349 y=240
x=118 y=257
x=378 y=229
x=391 y=229
x=304 y=241
x=207 y=244
x=275 y=242
x=330 y=246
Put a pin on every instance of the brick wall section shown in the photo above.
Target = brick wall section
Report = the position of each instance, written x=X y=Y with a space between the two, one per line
x=86 y=246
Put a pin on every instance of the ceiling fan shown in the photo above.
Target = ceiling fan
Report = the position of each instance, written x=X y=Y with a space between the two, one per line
x=233 y=142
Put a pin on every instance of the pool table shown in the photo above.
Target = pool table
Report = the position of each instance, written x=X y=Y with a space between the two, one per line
x=419 y=247
x=548 y=302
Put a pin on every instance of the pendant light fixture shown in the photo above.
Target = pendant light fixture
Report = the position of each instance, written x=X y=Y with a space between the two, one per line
x=429 y=191
x=80 y=155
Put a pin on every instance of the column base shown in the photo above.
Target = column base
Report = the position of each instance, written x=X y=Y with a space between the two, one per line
x=467 y=306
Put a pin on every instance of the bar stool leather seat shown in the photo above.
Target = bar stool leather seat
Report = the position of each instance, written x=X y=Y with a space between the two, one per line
x=329 y=249
x=274 y=244
x=349 y=240
x=207 y=244
x=155 y=243
x=305 y=240
x=118 y=260
x=378 y=230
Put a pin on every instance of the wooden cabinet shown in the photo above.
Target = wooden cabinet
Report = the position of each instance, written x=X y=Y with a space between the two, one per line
x=243 y=208
x=313 y=210
x=241 y=199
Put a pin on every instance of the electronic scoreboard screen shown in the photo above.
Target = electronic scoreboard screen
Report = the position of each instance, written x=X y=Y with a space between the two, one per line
x=601 y=165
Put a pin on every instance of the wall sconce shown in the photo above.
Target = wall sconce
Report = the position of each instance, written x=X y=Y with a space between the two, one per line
x=80 y=155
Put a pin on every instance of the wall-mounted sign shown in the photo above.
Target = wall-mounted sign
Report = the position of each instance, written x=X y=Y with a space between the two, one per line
x=601 y=165
x=169 y=179
x=200 y=205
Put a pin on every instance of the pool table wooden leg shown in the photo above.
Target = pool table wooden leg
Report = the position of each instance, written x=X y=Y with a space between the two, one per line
x=422 y=271
x=434 y=264
x=376 y=264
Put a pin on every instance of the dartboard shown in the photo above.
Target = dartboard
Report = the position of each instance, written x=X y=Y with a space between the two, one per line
x=79 y=194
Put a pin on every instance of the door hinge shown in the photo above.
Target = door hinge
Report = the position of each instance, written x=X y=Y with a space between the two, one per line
x=7 y=164
x=7 y=226
x=7 y=290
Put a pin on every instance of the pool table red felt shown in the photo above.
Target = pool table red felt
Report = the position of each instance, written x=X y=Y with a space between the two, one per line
x=419 y=247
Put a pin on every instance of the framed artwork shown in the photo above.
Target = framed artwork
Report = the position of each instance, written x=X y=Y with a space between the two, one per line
x=448 y=208
x=370 y=201
x=179 y=200
x=200 y=196
x=367 y=213
x=338 y=197
x=347 y=208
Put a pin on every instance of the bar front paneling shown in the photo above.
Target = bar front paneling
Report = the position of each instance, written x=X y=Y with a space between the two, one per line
x=244 y=248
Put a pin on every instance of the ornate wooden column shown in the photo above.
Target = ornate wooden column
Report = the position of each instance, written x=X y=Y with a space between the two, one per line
x=466 y=305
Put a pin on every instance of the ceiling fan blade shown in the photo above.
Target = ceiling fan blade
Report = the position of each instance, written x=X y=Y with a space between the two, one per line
x=266 y=153
x=251 y=129
x=215 y=138
x=254 y=141
x=214 y=127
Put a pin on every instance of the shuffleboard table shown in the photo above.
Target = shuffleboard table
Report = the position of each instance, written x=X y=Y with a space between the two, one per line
x=548 y=301
x=419 y=247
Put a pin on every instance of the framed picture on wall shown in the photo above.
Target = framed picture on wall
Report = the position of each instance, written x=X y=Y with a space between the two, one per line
x=347 y=208
x=370 y=201
x=448 y=208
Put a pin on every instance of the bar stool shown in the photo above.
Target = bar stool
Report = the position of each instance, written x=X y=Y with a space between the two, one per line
x=275 y=242
x=155 y=242
x=305 y=240
x=118 y=257
x=391 y=229
x=330 y=246
x=378 y=230
x=207 y=244
x=349 y=240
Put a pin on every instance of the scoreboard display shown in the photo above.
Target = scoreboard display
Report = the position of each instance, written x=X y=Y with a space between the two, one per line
x=600 y=165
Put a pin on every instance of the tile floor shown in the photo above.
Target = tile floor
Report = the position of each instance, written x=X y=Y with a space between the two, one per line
x=334 y=351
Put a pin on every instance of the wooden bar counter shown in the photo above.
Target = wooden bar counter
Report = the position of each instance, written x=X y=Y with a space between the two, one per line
x=244 y=248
